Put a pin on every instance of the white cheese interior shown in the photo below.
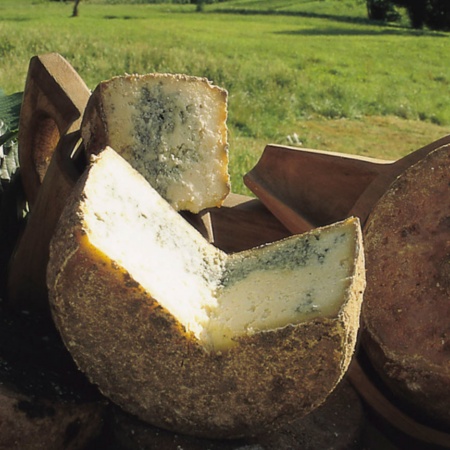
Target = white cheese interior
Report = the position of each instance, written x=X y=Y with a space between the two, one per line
x=215 y=296
x=290 y=281
x=172 y=130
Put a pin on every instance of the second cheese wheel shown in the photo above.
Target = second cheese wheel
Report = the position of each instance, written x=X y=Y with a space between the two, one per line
x=406 y=309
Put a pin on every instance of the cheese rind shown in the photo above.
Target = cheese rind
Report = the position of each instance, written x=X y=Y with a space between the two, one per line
x=175 y=331
x=406 y=309
x=171 y=128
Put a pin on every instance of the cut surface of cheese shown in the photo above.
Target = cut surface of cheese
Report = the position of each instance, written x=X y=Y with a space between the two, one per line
x=171 y=128
x=224 y=297
x=203 y=334
x=287 y=282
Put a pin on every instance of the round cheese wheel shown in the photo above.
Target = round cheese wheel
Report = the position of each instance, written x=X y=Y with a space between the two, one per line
x=189 y=338
x=406 y=311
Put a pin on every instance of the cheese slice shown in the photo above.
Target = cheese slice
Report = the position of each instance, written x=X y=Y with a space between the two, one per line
x=186 y=336
x=171 y=128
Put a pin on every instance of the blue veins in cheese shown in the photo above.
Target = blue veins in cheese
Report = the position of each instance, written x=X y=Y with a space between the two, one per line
x=215 y=296
x=172 y=129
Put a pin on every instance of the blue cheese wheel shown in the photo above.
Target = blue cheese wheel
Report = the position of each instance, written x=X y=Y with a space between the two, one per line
x=185 y=336
x=406 y=311
x=171 y=128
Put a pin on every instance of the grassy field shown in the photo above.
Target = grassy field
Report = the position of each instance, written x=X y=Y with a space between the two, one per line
x=311 y=73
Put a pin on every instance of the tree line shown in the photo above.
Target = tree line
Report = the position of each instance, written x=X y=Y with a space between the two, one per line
x=434 y=14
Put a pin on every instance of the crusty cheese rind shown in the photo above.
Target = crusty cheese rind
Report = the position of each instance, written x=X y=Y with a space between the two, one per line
x=171 y=128
x=143 y=359
x=406 y=309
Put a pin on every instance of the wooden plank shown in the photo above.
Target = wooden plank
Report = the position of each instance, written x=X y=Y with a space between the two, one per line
x=53 y=103
x=309 y=188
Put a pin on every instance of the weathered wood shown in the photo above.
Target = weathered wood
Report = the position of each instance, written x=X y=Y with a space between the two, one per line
x=27 y=287
x=53 y=102
x=242 y=223
x=306 y=188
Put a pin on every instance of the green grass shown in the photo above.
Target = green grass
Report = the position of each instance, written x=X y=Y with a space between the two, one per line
x=318 y=70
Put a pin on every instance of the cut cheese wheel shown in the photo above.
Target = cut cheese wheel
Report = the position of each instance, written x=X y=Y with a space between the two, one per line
x=189 y=338
x=171 y=128
x=406 y=310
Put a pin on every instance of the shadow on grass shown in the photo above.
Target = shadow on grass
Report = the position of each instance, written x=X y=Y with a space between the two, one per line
x=114 y=17
x=385 y=28
x=15 y=19
x=335 y=31
x=311 y=15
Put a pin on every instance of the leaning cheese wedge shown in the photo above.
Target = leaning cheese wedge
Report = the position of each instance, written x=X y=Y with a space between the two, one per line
x=189 y=338
x=171 y=128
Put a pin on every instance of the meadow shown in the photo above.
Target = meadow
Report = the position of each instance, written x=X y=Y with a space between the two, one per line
x=311 y=73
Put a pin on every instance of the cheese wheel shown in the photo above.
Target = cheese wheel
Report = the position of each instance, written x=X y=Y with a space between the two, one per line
x=406 y=311
x=189 y=338
x=171 y=128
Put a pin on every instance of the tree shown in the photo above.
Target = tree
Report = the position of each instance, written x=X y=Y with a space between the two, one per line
x=435 y=14
x=75 y=8
x=383 y=10
x=417 y=10
x=438 y=15
x=200 y=5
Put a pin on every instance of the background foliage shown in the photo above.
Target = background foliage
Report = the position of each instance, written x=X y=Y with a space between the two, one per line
x=434 y=14
x=319 y=73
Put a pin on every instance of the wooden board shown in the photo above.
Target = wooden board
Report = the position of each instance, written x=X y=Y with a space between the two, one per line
x=306 y=188
x=49 y=147
x=53 y=102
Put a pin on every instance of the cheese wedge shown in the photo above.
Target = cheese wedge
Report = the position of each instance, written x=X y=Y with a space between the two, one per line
x=190 y=338
x=171 y=128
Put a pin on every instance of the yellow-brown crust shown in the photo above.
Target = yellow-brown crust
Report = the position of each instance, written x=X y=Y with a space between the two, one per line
x=406 y=309
x=141 y=358
x=336 y=424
